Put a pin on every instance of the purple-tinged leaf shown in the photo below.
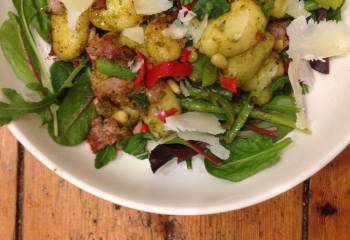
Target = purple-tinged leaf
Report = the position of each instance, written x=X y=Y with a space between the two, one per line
x=321 y=66
x=166 y=152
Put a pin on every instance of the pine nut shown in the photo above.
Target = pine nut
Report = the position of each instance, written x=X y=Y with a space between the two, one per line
x=174 y=86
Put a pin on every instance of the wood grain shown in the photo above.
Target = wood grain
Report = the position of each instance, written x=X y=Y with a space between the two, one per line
x=330 y=201
x=8 y=184
x=279 y=218
x=54 y=209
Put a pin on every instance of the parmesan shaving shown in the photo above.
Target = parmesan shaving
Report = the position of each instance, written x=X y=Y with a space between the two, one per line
x=314 y=41
x=176 y=30
x=150 y=7
x=194 y=121
x=214 y=142
x=74 y=9
x=197 y=31
x=296 y=9
x=293 y=73
x=135 y=34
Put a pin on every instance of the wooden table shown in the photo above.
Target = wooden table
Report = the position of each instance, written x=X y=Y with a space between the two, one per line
x=37 y=204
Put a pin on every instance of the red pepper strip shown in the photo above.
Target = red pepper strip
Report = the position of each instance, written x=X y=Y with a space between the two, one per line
x=185 y=55
x=229 y=84
x=167 y=69
x=142 y=72
x=263 y=131
x=202 y=152
x=162 y=115
x=140 y=127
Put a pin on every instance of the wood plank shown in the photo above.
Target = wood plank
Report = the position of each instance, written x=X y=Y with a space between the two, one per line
x=54 y=209
x=329 y=215
x=8 y=184
x=278 y=218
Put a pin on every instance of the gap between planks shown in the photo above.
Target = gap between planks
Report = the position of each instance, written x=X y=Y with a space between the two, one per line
x=20 y=192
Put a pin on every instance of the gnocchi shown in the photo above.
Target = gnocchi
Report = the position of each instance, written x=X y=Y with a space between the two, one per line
x=66 y=44
x=234 y=32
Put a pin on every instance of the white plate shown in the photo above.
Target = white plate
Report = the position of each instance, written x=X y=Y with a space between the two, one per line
x=130 y=182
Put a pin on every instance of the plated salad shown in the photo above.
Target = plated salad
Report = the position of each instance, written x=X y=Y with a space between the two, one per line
x=166 y=80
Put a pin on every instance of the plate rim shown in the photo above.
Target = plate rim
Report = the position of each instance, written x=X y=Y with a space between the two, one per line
x=190 y=211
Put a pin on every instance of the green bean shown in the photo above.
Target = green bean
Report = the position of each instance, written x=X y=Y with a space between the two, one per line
x=242 y=118
x=222 y=92
x=205 y=106
x=226 y=106
x=198 y=105
x=272 y=118
x=114 y=70
x=196 y=92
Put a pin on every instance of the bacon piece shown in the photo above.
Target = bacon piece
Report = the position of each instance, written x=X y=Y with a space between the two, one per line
x=279 y=29
x=55 y=7
x=105 y=47
x=103 y=133
x=118 y=91
x=99 y=5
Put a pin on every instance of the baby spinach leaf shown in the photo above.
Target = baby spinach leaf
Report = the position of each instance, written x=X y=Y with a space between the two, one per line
x=14 y=49
x=283 y=104
x=63 y=74
x=105 y=156
x=136 y=146
x=248 y=157
x=284 y=107
x=75 y=113
x=34 y=11
x=60 y=71
x=17 y=107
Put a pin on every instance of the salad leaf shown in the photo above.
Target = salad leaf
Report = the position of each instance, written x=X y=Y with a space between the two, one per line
x=283 y=104
x=34 y=11
x=105 y=156
x=141 y=100
x=136 y=146
x=266 y=6
x=212 y=8
x=164 y=153
x=63 y=74
x=204 y=71
x=185 y=2
x=60 y=71
x=75 y=113
x=14 y=49
x=17 y=107
x=248 y=157
x=285 y=107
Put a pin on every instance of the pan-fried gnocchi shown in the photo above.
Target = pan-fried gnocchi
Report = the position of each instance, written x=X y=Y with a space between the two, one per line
x=234 y=32
x=160 y=47
x=279 y=8
x=67 y=44
x=243 y=67
x=120 y=14
x=271 y=69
